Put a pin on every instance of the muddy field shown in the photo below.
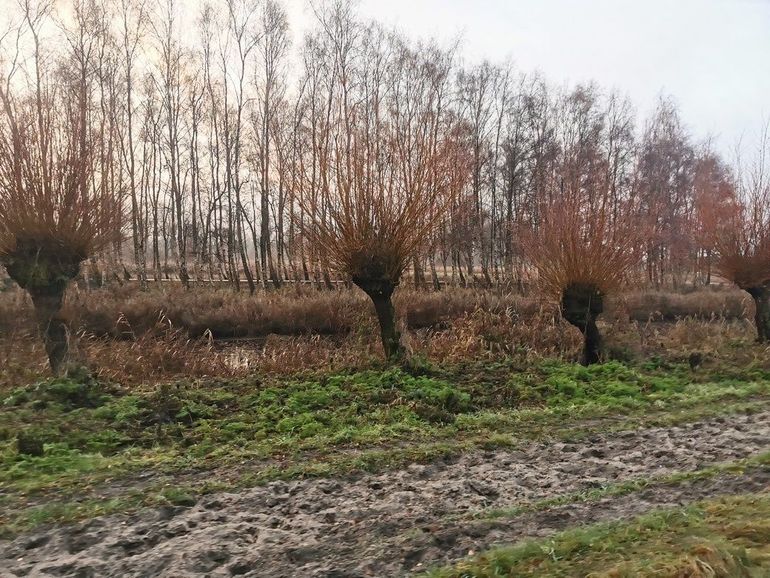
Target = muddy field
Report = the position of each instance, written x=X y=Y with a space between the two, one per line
x=397 y=523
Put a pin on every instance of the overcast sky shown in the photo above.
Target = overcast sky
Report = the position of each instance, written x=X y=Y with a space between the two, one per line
x=712 y=56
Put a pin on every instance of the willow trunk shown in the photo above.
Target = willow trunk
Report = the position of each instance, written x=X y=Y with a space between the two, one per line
x=761 y=296
x=580 y=306
x=381 y=293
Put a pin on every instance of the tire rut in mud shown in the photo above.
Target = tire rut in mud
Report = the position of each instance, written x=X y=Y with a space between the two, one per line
x=395 y=523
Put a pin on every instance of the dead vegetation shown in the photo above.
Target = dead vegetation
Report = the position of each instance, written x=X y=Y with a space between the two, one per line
x=128 y=312
x=132 y=336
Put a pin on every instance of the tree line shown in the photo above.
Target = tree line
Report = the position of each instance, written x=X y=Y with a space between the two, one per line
x=193 y=146
x=215 y=133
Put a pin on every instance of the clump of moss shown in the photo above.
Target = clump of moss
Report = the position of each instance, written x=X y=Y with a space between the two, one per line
x=30 y=443
x=74 y=390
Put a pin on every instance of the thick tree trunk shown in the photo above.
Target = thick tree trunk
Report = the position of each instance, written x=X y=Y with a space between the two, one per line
x=391 y=338
x=247 y=269
x=592 y=343
x=434 y=274
x=580 y=306
x=419 y=274
x=381 y=293
x=327 y=280
x=761 y=296
x=44 y=270
x=53 y=327
x=487 y=279
x=275 y=277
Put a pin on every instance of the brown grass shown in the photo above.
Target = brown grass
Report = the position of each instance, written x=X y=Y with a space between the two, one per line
x=493 y=335
x=728 y=303
x=22 y=359
x=220 y=312
x=126 y=312
x=166 y=352
x=134 y=337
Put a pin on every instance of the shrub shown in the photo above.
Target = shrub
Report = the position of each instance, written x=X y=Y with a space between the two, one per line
x=583 y=250
x=743 y=246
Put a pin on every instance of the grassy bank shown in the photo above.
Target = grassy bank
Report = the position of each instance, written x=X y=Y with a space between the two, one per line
x=249 y=431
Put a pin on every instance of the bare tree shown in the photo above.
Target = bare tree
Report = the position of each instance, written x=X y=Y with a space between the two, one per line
x=54 y=213
x=743 y=237
x=133 y=21
x=171 y=83
x=223 y=144
x=581 y=254
x=273 y=48
x=387 y=183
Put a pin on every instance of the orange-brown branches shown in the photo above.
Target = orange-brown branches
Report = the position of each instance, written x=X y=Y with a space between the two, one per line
x=743 y=242
x=47 y=190
x=583 y=248
x=370 y=223
x=581 y=243
x=53 y=211
x=391 y=165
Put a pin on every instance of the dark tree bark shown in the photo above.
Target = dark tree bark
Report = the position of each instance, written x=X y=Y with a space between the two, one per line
x=44 y=270
x=52 y=326
x=380 y=291
x=580 y=306
x=434 y=274
x=761 y=296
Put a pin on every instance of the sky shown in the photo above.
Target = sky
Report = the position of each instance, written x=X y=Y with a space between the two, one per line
x=711 y=56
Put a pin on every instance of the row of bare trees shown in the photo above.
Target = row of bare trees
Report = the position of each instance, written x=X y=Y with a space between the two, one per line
x=193 y=136
x=213 y=127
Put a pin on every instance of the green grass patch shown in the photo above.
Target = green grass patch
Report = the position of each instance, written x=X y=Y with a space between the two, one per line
x=725 y=538
x=317 y=425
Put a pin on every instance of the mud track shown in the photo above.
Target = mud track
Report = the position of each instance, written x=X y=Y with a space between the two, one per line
x=396 y=523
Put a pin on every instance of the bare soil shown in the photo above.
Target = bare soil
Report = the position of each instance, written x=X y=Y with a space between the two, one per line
x=400 y=522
